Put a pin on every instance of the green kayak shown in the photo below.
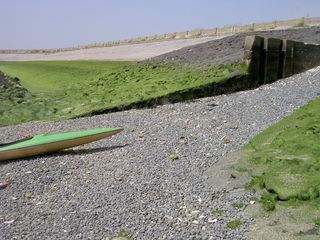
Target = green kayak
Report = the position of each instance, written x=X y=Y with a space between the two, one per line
x=52 y=142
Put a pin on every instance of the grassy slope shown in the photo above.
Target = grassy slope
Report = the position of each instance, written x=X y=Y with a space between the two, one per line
x=288 y=154
x=73 y=88
x=284 y=162
x=44 y=76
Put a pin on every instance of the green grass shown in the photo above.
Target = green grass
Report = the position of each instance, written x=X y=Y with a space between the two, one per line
x=174 y=156
x=217 y=212
x=67 y=89
x=238 y=205
x=45 y=76
x=317 y=222
x=234 y=224
x=284 y=160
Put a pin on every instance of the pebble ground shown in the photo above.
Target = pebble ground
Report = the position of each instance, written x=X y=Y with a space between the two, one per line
x=148 y=182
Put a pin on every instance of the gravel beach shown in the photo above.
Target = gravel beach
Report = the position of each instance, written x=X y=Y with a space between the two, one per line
x=151 y=180
x=230 y=48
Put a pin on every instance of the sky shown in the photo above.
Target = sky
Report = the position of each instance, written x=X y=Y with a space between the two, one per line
x=29 y=24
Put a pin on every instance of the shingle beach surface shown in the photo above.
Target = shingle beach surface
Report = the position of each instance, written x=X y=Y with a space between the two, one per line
x=148 y=181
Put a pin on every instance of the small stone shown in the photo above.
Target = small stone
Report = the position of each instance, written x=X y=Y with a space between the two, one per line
x=225 y=141
x=28 y=172
x=9 y=222
x=195 y=222
x=210 y=220
x=44 y=170
x=156 y=194
x=28 y=195
x=252 y=202
x=183 y=140
x=120 y=179
x=90 y=165
x=162 y=142
x=195 y=212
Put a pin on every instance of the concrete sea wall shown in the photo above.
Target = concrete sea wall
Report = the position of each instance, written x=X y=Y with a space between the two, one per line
x=270 y=59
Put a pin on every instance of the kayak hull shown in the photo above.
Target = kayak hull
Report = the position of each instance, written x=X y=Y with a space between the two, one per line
x=80 y=138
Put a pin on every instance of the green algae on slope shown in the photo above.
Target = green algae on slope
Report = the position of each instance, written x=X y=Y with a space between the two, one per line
x=284 y=165
x=70 y=89
x=285 y=158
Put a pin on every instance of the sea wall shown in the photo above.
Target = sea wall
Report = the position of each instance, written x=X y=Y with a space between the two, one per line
x=270 y=59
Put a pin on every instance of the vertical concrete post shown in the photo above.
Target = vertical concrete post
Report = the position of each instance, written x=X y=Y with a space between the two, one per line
x=253 y=56
x=273 y=49
x=299 y=55
x=287 y=48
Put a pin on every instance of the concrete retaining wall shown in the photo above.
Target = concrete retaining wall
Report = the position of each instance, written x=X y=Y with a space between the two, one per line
x=270 y=59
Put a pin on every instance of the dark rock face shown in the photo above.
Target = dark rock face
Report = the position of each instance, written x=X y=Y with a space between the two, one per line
x=11 y=88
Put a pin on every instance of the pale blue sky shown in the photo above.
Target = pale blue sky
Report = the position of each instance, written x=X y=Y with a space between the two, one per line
x=64 y=23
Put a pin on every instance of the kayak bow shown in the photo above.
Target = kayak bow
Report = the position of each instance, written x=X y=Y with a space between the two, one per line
x=52 y=142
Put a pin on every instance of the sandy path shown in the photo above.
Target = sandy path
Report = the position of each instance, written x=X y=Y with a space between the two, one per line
x=131 y=52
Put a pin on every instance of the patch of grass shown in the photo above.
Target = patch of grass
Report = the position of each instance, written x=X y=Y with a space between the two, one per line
x=174 y=156
x=317 y=222
x=123 y=233
x=68 y=89
x=284 y=160
x=256 y=182
x=217 y=212
x=238 y=205
x=48 y=76
x=268 y=201
x=234 y=224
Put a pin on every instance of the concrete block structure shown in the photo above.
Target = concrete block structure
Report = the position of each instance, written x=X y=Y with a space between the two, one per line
x=270 y=59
